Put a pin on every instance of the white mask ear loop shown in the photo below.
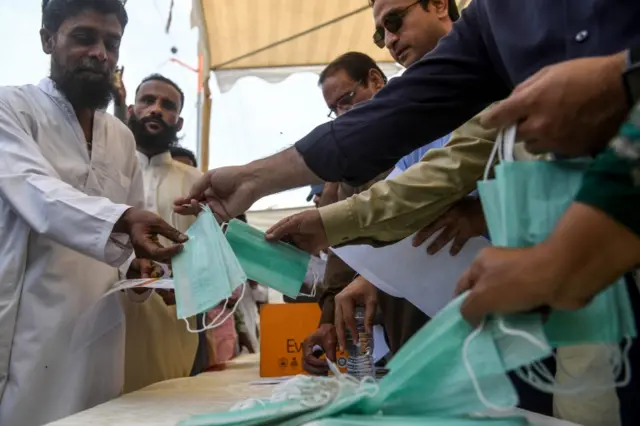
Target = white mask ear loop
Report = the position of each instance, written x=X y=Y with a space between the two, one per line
x=528 y=374
x=173 y=213
x=472 y=374
x=508 y=142
x=314 y=285
x=214 y=323
x=492 y=157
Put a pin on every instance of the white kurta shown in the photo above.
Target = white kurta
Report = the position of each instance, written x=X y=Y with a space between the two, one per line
x=159 y=347
x=61 y=343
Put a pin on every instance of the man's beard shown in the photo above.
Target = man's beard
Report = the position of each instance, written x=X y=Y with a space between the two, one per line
x=81 y=88
x=153 y=143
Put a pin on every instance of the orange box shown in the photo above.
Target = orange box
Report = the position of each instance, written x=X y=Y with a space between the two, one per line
x=283 y=327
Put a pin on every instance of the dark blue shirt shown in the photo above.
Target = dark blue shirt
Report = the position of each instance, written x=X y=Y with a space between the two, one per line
x=494 y=46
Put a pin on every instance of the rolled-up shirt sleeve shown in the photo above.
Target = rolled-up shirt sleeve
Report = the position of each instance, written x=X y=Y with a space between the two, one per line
x=432 y=98
x=393 y=209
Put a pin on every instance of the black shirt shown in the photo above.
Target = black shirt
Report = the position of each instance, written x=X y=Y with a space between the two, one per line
x=493 y=47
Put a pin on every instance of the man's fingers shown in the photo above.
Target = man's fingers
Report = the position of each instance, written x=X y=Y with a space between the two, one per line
x=146 y=269
x=342 y=340
x=198 y=189
x=329 y=345
x=475 y=307
x=507 y=112
x=369 y=316
x=187 y=207
x=466 y=280
x=156 y=252
x=169 y=232
x=425 y=233
x=443 y=239
x=315 y=365
x=459 y=241
x=349 y=318
x=282 y=229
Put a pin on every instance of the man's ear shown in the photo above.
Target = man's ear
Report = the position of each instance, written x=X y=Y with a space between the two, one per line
x=180 y=123
x=376 y=79
x=46 y=38
x=441 y=8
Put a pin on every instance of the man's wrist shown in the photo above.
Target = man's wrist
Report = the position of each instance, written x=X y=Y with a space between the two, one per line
x=123 y=225
x=280 y=172
x=587 y=252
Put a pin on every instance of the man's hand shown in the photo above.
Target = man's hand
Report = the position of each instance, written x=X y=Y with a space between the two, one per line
x=360 y=292
x=305 y=230
x=325 y=337
x=329 y=194
x=143 y=228
x=140 y=268
x=169 y=296
x=506 y=280
x=228 y=191
x=462 y=222
x=119 y=92
x=572 y=108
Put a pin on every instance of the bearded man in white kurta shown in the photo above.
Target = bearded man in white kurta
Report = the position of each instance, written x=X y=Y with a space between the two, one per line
x=159 y=346
x=68 y=181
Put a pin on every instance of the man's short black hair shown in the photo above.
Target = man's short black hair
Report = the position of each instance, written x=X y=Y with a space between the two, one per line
x=163 y=79
x=454 y=13
x=55 y=12
x=356 y=64
x=178 y=151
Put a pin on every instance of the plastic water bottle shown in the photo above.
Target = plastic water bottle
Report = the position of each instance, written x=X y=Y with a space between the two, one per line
x=360 y=363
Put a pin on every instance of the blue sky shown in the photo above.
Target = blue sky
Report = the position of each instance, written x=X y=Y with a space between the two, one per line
x=251 y=121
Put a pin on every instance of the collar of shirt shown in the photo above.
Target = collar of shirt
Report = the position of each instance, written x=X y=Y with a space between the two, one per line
x=155 y=161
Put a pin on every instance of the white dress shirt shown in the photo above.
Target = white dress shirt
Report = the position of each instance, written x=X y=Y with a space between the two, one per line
x=159 y=347
x=61 y=342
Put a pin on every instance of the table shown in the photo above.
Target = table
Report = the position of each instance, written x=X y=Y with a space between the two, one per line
x=166 y=403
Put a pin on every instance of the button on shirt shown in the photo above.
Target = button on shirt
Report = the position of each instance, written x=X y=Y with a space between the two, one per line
x=492 y=48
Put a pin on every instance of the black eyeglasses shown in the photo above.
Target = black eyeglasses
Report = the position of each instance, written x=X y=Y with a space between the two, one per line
x=344 y=102
x=392 y=23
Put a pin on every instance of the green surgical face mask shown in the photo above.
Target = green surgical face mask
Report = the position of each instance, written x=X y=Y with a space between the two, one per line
x=206 y=272
x=456 y=369
x=445 y=372
x=295 y=402
x=277 y=265
x=352 y=420
x=522 y=206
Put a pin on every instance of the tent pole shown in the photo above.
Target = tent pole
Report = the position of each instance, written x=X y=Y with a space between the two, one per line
x=205 y=124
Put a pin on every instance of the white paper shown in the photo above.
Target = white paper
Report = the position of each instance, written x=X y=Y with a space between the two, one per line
x=401 y=270
x=158 y=283
x=380 y=348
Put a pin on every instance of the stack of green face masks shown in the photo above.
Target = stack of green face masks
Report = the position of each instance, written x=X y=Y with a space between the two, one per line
x=296 y=402
x=277 y=265
x=446 y=371
x=206 y=272
x=449 y=369
x=522 y=206
x=350 y=420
